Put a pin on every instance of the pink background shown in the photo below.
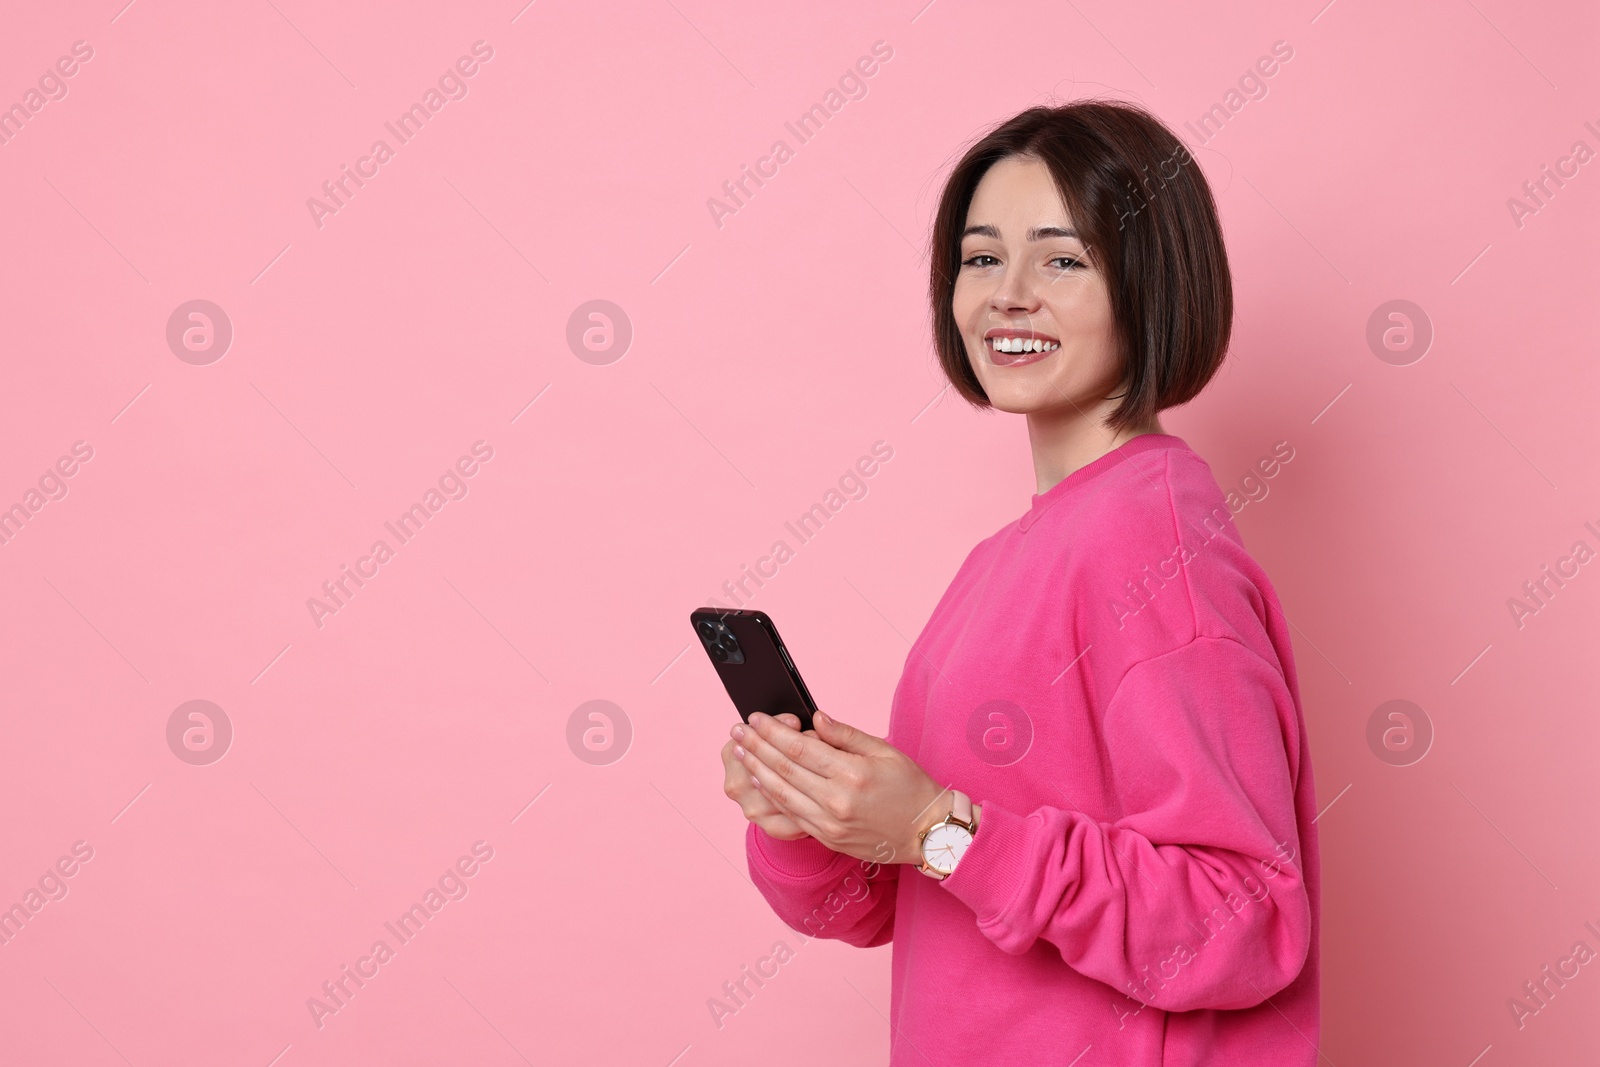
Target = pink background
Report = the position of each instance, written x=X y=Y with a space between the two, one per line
x=767 y=355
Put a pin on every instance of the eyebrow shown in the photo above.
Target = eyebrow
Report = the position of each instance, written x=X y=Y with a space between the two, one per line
x=1036 y=234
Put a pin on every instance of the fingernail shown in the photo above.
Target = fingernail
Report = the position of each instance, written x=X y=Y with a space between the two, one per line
x=754 y=782
x=738 y=751
x=738 y=731
x=757 y=715
x=821 y=717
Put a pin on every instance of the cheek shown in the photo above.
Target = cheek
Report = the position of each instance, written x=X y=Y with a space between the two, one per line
x=1080 y=305
x=1087 y=327
x=964 y=305
x=963 y=301
x=980 y=370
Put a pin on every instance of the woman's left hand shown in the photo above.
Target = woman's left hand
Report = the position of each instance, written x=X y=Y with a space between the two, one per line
x=854 y=792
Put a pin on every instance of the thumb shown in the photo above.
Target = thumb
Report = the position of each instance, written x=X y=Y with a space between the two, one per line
x=846 y=737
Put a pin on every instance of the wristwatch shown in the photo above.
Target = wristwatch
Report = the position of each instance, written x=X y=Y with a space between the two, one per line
x=944 y=843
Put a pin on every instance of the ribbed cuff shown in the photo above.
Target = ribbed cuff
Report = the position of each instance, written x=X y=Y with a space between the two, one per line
x=991 y=870
x=800 y=858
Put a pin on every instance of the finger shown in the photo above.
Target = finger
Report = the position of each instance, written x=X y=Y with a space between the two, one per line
x=789 y=718
x=763 y=762
x=793 y=800
x=739 y=785
x=757 y=805
x=753 y=802
x=845 y=737
x=811 y=755
x=769 y=763
x=783 y=829
x=780 y=827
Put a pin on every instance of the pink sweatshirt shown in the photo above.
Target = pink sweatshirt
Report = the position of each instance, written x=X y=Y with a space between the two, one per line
x=1110 y=678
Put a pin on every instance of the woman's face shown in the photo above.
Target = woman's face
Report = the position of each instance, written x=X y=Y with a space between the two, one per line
x=1025 y=275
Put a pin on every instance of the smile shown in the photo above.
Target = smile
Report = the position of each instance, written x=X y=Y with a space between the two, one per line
x=1017 y=351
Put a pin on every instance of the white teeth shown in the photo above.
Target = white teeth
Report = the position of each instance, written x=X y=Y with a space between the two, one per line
x=1023 y=344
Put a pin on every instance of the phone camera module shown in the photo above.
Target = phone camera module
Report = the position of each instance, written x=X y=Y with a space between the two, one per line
x=721 y=644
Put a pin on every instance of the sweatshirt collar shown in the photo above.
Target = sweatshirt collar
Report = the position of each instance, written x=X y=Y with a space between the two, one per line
x=1043 y=502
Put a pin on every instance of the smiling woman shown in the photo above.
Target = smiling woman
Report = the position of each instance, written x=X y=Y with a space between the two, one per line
x=1078 y=279
x=452 y=85
x=1099 y=236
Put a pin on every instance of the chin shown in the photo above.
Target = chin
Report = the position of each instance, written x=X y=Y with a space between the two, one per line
x=1019 y=398
x=1011 y=404
x=1019 y=405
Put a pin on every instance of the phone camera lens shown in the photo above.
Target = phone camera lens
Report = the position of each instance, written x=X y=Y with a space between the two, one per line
x=708 y=630
x=718 y=653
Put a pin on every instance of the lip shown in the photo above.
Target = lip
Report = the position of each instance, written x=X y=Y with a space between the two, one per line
x=1032 y=335
x=1017 y=359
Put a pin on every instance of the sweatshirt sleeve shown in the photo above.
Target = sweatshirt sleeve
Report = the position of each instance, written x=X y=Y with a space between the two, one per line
x=1192 y=899
x=823 y=893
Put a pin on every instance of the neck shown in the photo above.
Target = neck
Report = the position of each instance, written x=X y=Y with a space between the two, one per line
x=1064 y=441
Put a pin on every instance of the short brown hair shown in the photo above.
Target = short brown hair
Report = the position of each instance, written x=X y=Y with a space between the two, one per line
x=1153 y=233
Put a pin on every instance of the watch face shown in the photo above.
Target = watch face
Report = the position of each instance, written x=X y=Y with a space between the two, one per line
x=944 y=846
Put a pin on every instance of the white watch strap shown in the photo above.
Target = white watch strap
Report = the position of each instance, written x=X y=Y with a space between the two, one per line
x=961 y=806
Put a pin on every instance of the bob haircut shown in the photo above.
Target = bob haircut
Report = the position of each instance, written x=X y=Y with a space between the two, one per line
x=1148 y=222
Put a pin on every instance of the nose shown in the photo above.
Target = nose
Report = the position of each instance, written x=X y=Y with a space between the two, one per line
x=1017 y=290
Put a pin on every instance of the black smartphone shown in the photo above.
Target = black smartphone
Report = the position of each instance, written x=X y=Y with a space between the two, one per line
x=754 y=666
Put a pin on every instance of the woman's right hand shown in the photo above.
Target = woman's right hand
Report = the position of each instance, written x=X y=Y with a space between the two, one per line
x=757 y=807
